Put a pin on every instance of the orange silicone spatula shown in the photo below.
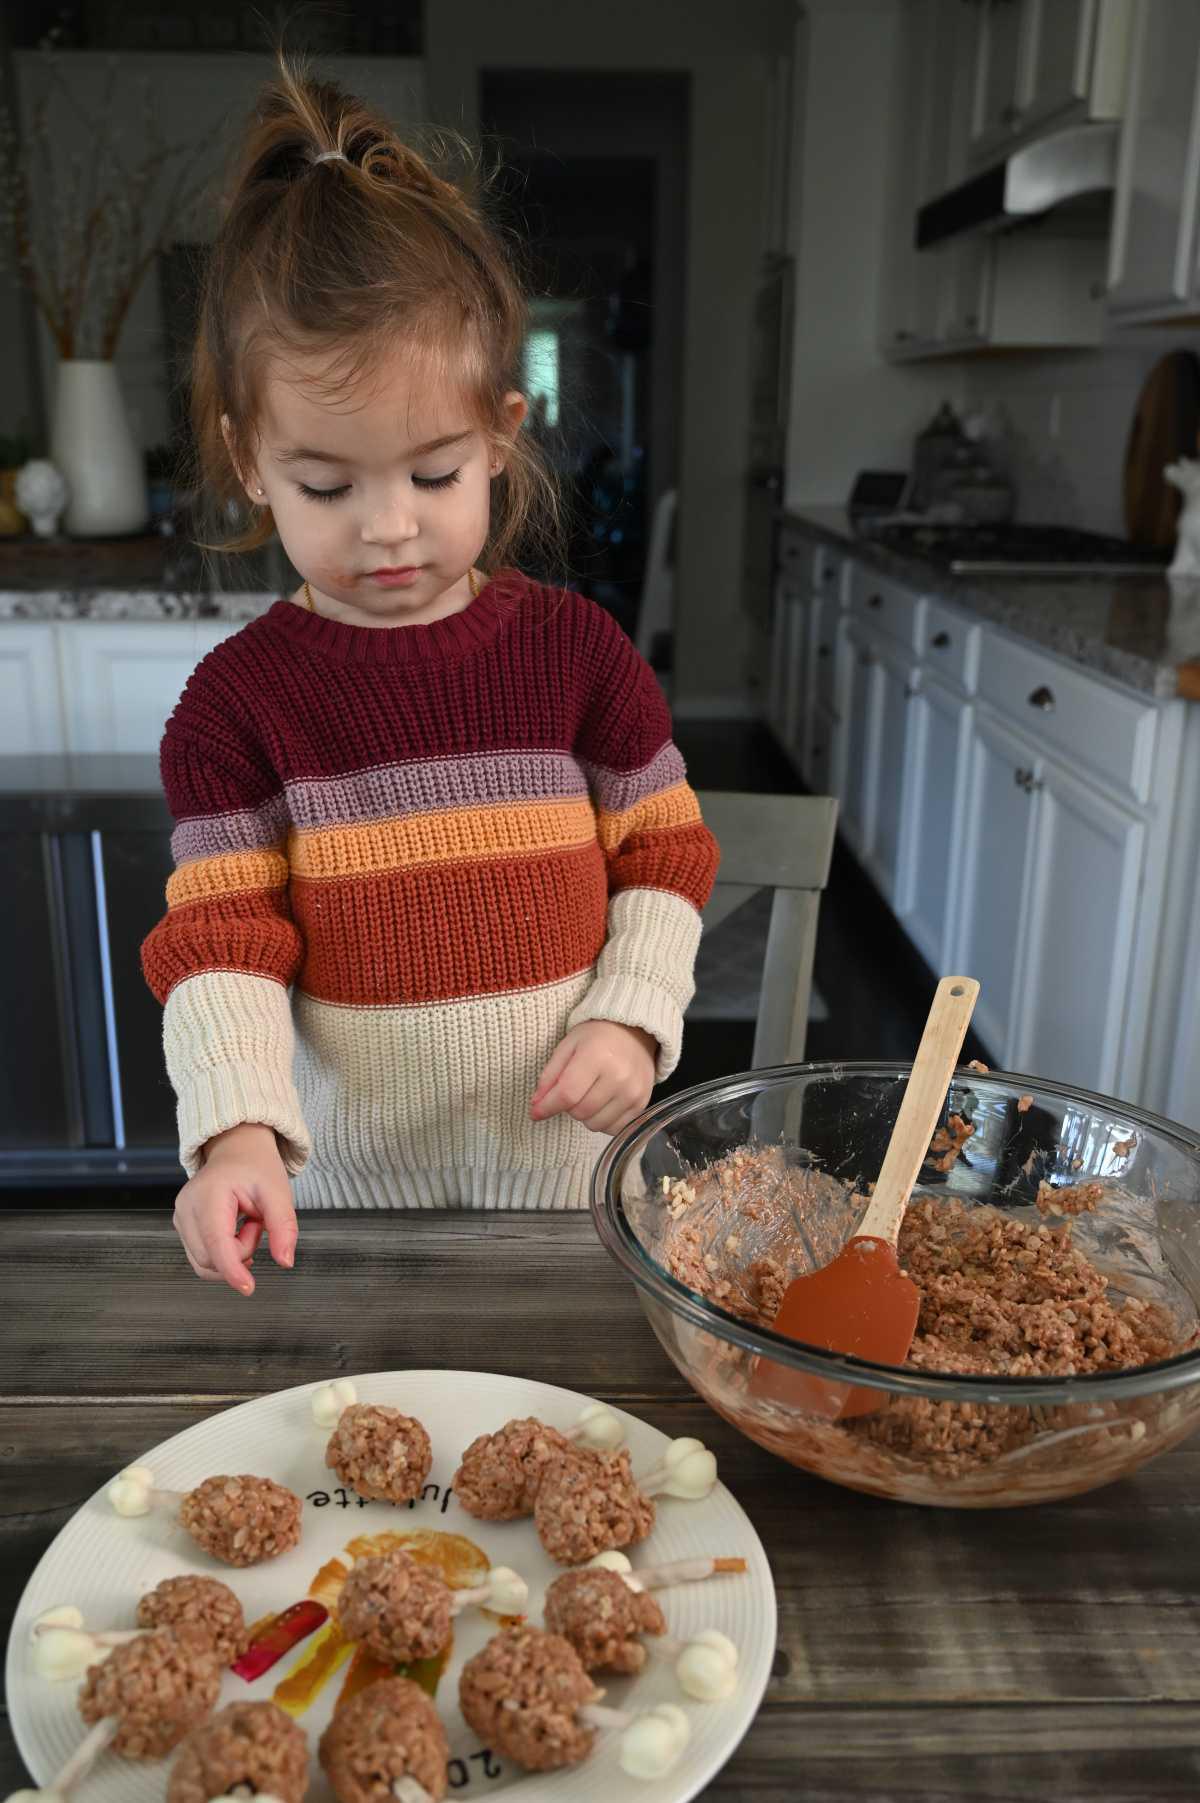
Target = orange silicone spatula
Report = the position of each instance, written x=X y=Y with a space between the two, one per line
x=862 y=1303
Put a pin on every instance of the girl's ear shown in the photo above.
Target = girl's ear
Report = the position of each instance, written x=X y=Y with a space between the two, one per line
x=249 y=481
x=512 y=411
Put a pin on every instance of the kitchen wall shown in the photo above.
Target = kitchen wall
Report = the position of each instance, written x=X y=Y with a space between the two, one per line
x=1068 y=416
x=850 y=408
x=731 y=54
x=199 y=97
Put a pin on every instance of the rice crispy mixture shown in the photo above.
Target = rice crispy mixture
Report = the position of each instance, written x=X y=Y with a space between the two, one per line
x=395 y=1607
x=999 y=1296
x=602 y=1618
x=500 y=1473
x=251 y=1744
x=390 y=1730
x=242 y=1520
x=202 y=1603
x=379 y=1452
x=159 y=1687
x=521 y=1694
x=588 y=1505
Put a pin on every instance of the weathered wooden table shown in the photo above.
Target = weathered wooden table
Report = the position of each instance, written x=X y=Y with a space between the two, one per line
x=923 y=1655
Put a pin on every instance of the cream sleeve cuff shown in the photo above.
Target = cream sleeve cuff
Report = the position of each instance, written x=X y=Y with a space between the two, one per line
x=229 y=1043
x=645 y=973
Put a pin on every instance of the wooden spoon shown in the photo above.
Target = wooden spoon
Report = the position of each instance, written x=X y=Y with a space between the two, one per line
x=862 y=1303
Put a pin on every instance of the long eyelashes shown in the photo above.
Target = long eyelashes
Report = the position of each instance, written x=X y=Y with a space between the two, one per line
x=335 y=494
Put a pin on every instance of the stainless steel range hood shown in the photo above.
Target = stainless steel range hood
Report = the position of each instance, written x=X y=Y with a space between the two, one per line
x=1071 y=166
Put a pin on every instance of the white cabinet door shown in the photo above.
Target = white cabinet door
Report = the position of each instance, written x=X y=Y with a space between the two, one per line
x=31 y=717
x=860 y=733
x=121 y=679
x=796 y=604
x=777 y=675
x=891 y=699
x=998 y=819
x=1001 y=92
x=1152 y=262
x=940 y=741
x=1061 y=40
x=822 y=647
x=1081 y=914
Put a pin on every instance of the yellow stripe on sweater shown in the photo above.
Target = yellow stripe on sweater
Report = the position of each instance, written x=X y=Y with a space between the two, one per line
x=232 y=873
x=451 y=836
x=671 y=807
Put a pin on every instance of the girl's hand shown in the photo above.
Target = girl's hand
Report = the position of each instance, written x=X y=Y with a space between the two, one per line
x=601 y=1074
x=242 y=1174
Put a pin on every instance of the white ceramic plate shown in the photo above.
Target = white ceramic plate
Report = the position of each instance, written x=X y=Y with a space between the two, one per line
x=103 y=1564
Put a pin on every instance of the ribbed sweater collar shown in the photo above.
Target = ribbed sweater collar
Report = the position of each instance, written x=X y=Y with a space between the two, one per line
x=441 y=641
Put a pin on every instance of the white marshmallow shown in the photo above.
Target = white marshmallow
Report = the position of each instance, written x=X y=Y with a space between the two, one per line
x=129 y=1493
x=615 y=1561
x=598 y=1428
x=508 y=1592
x=60 y=1653
x=691 y=1470
x=651 y=1744
x=707 y=1667
x=329 y=1401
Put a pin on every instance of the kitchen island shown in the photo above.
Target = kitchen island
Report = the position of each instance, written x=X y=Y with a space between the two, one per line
x=1030 y=1652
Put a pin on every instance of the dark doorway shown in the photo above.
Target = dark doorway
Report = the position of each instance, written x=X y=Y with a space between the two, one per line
x=594 y=185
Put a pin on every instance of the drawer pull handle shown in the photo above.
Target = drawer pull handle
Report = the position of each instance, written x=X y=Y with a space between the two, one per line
x=1043 y=698
x=940 y=640
x=875 y=601
x=823 y=650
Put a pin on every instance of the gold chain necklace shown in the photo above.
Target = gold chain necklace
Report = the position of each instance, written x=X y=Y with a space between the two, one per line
x=473 y=578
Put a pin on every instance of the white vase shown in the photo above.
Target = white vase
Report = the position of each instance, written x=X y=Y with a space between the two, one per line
x=93 y=445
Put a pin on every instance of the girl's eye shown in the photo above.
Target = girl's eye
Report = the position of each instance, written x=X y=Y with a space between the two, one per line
x=437 y=481
x=323 y=494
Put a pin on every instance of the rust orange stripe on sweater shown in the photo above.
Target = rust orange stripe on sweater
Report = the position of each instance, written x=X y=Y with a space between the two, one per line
x=682 y=859
x=413 y=936
x=206 y=879
x=672 y=807
x=458 y=835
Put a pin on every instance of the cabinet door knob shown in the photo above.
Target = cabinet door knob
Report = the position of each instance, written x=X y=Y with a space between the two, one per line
x=875 y=601
x=1023 y=779
x=823 y=650
x=865 y=660
x=940 y=640
x=1043 y=698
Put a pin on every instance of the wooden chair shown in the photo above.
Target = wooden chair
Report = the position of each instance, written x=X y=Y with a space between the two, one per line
x=783 y=843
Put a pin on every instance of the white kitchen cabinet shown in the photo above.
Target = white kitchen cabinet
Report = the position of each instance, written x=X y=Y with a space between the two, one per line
x=860 y=732
x=894 y=689
x=1153 y=248
x=31 y=716
x=996 y=843
x=795 y=648
x=1078 y=52
x=1001 y=83
x=121 y=679
x=940 y=722
x=1081 y=914
x=821 y=691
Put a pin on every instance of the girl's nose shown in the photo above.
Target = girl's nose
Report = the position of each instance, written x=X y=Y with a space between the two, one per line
x=390 y=523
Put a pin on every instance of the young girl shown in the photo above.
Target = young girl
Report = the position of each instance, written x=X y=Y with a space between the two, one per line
x=432 y=927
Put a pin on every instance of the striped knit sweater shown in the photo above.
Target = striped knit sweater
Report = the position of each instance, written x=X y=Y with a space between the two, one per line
x=450 y=843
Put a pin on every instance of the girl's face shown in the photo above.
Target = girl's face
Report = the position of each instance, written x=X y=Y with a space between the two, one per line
x=381 y=498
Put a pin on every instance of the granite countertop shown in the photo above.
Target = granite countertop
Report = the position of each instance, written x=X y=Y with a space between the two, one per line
x=1143 y=631
x=158 y=603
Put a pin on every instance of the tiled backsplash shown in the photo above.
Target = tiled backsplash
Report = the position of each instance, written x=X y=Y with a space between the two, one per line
x=1067 y=416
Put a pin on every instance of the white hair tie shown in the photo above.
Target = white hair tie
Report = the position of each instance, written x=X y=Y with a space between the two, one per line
x=331 y=156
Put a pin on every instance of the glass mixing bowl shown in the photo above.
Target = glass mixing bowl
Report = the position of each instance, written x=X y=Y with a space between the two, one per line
x=954 y=1440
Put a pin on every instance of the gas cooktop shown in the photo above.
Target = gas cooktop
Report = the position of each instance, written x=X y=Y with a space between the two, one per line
x=1018 y=550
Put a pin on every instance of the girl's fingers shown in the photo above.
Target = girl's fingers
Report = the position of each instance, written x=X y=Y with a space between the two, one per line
x=279 y=1219
x=544 y=1100
x=248 y=1236
x=220 y=1248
